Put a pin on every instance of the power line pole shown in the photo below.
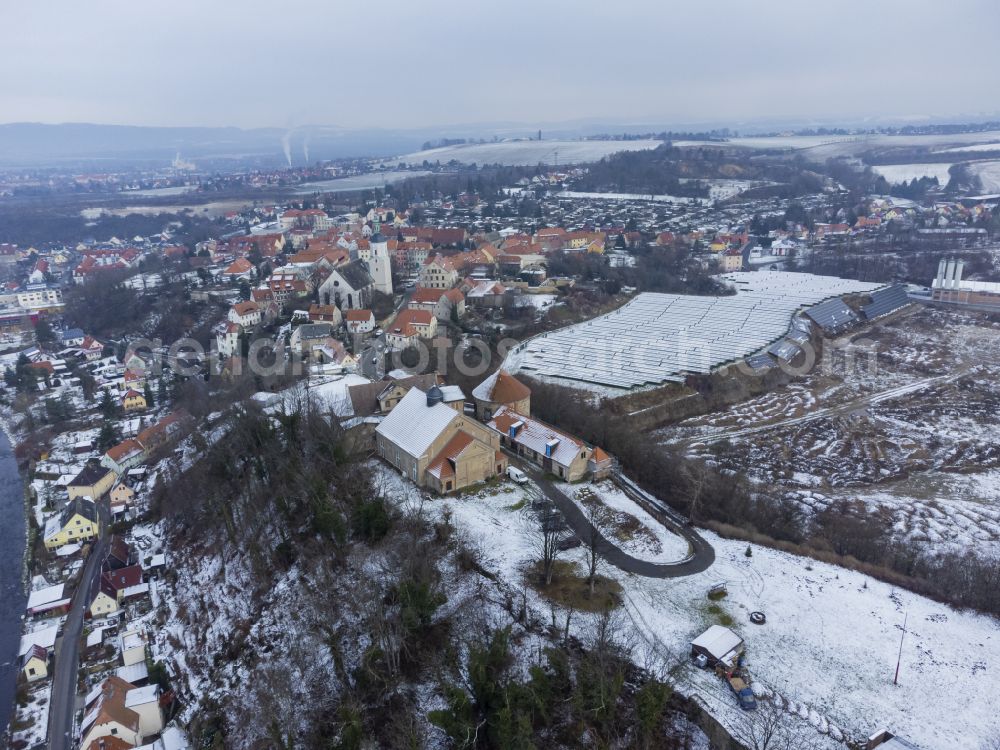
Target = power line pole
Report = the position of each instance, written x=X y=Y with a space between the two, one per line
x=899 y=658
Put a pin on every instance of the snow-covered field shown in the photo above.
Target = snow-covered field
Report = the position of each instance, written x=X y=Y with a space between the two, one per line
x=897 y=173
x=513 y=153
x=828 y=648
x=995 y=146
x=359 y=182
x=989 y=174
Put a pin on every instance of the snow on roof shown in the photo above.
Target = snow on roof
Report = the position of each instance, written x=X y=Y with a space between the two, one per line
x=452 y=393
x=413 y=426
x=138 y=696
x=95 y=638
x=93 y=694
x=718 y=641
x=172 y=738
x=45 y=637
x=133 y=673
x=67 y=549
x=537 y=436
x=47 y=595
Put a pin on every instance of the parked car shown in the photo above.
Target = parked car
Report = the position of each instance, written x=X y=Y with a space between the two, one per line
x=743 y=692
x=516 y=475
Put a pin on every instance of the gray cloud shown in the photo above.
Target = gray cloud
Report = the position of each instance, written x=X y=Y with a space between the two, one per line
x=406 y=64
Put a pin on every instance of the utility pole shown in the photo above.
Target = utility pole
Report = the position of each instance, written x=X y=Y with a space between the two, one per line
x=899 y=658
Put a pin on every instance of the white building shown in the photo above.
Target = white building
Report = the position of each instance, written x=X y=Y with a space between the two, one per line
x=378 y=263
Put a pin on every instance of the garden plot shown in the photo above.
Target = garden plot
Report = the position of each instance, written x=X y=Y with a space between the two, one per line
x=624 y=523
x=916 y=435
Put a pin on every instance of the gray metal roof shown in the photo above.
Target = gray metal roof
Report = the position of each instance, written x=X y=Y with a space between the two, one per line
x=412 y=425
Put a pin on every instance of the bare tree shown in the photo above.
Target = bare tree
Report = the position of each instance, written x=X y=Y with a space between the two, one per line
x=592 y=543
x=697 y=474
x=549 y=536
x=770 y=727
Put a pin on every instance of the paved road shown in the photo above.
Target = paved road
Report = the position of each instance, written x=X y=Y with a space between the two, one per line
x=62 y=704
x=374 y=350
x=701 y=558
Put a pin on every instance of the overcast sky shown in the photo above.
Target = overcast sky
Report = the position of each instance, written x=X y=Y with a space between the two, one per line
x=433 y=62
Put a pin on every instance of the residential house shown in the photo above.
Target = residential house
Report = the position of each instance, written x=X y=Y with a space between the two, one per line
x=359 y=321
x=35 y=663
x=78 y=522
x=113 y=588
x=121 y=497
x=245 y=314
x=126 y=455
x=90 y=349
x=731 y=259
x=241 y=268
x=438 y=272
x=158 y=435
x=92 y=481
x=72 y=337
x=326 y=314
x=409 y=326
x=132 y=645
x=117 y=710
x=501 y=389
x=120 y=554
x=486 y=294
x=436 y=446
x=133 y=401
x=554 y=451
x=288 y=283
x=425 y=298
x=134 y=379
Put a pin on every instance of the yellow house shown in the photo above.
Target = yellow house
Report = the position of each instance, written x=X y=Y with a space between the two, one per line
x=133 y=401
x=103 y=604
x=122 y=495
x=92 y=482
x=35 y=664
x=596 y=247
x=78 y=522
x=718 y=246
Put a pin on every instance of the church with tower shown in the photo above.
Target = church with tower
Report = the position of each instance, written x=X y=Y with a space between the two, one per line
x=378 y=260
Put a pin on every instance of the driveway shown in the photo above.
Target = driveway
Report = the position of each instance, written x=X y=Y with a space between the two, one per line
x=62 y=704
x=701 y=558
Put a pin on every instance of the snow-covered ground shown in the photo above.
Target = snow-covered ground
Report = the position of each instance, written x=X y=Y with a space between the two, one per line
x=513 y=153
x=897 y=173
x=989 y=174
x=652 y=541
x=828 y=648
x=359 y=182
x=30 y=726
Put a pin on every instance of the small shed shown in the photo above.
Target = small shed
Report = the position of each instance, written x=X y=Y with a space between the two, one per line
x=718 y=644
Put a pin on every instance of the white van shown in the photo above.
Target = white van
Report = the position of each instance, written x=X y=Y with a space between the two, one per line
x=517 y=475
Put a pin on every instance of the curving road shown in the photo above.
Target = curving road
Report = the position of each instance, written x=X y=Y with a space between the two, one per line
x=62 y=704
x=702 y=554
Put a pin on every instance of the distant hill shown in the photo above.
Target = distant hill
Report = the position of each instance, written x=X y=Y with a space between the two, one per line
x=35 y=144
